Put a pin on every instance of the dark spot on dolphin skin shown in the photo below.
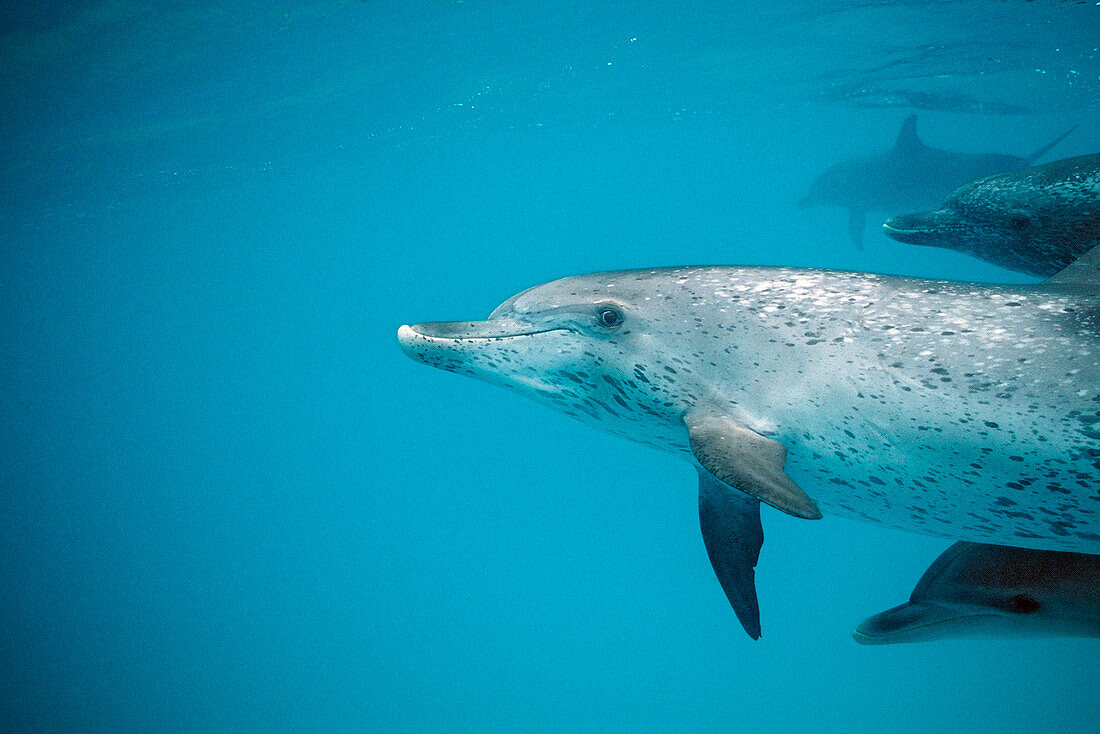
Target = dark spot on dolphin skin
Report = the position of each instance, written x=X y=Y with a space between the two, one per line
x=991 y=424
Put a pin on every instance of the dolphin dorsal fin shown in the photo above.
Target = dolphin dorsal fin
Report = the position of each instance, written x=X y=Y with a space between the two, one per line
x=1085 y=270
x=908 y=142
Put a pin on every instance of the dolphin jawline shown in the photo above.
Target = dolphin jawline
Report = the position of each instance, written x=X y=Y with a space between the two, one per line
x=889 y=634
x=465 y=331
x=911 y=235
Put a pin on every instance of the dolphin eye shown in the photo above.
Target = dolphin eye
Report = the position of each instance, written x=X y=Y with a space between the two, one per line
x=1023 y=604
x=1019 y=221
x=609 y=317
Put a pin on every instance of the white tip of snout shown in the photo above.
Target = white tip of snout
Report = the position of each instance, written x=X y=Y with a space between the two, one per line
x=405 y=334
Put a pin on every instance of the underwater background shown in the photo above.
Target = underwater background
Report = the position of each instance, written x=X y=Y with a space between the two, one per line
x=229 y=502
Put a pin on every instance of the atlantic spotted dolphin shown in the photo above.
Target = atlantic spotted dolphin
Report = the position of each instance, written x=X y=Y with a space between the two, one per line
x=964 y=410
x=978 y=590
x=1037 y=220
x=909 y=177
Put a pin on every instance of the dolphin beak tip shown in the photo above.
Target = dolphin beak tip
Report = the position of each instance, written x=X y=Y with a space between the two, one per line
x=865 y=639
x=405 y=336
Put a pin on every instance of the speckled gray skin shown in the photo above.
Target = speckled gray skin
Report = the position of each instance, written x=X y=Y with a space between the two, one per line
x=1035 y=221
x=909 y=177
x=978 y=590
x=954 y=409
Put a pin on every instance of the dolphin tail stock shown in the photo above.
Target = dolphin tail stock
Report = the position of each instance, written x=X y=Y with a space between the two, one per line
x=732 y=533
x=1046 y=148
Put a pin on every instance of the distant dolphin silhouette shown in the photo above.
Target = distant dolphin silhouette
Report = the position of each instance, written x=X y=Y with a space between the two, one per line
x=1036 y=220
x=978 y=590
x=909 y=177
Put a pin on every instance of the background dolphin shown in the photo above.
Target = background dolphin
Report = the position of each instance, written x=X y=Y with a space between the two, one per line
x=911 y=176
x=956 y=409
x=1037 y=220
x=978 y=590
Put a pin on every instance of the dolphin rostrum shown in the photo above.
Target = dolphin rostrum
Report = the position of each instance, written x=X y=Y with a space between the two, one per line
x=909 y=177
x=978 y=590
x=1037 y=220
x=962 y=410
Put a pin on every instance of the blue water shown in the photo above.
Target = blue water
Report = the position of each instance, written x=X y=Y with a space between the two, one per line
x=229 y=502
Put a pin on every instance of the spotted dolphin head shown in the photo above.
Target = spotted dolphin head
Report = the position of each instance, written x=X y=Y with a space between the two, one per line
x=1037 y=220
x=652 y=355
x=978 y=590
x=589 y=346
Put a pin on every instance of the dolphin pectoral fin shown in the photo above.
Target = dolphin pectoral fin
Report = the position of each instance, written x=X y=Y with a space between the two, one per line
x=730 y=522
x=748 y=462
x=857 y=222
x=1085 y=270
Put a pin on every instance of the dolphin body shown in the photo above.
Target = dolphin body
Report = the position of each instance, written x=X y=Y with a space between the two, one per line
x=978 y=590
x=962 y=410
x=1037 y=220
x=909 y=177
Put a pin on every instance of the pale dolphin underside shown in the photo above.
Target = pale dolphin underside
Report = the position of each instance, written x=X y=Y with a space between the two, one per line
x=1036 y=220
x=977 y=590
x=909 y=177
x=963 y=410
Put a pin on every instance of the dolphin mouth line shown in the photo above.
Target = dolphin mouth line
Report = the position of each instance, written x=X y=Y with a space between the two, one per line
x=890 y=229
x=869 y=638
x=406 y=334
x=910 y=236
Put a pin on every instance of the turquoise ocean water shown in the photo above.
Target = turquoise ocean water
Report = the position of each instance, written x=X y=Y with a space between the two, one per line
x=230 y=504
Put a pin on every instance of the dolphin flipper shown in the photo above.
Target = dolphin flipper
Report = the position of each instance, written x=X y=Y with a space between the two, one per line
x=857 y=222
x=748 y=462
x=730 y=522
x=1085 y=270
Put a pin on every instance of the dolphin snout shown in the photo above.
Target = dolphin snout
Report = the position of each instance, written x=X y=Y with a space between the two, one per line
x=495 y=328
x=440 y=330
x=924 y=228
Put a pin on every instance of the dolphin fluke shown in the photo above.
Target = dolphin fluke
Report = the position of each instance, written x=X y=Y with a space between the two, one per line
x=730 y=522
